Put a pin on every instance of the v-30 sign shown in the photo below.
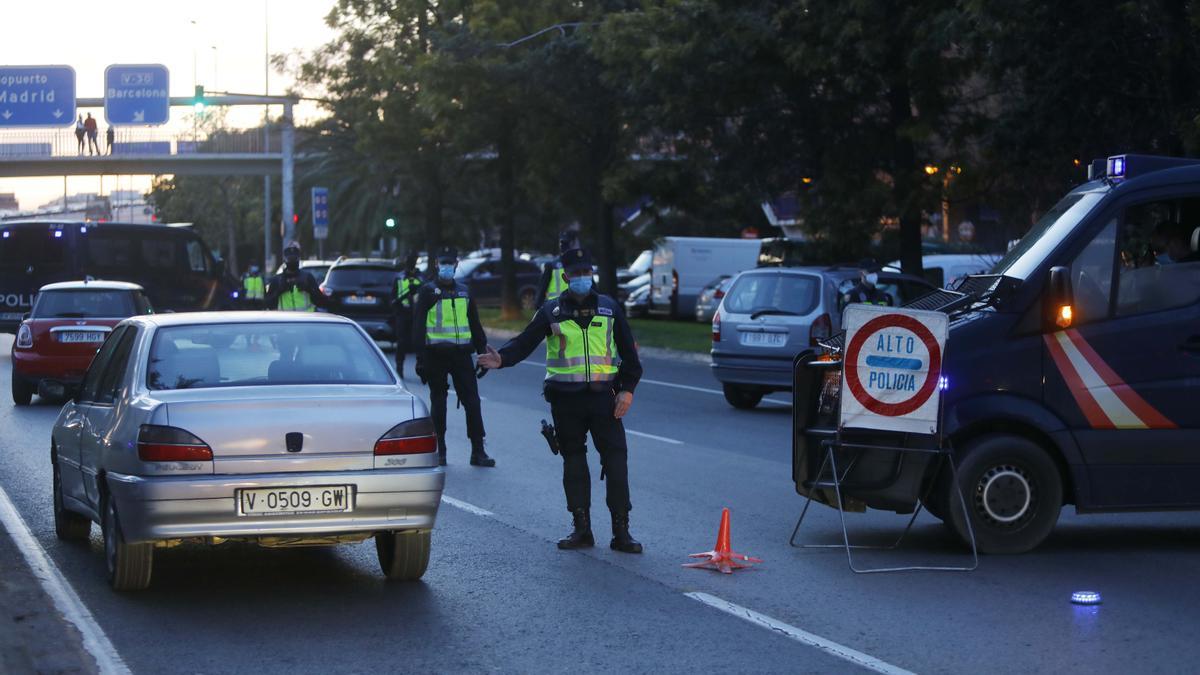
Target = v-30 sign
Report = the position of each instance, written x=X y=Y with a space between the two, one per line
x=891 y=369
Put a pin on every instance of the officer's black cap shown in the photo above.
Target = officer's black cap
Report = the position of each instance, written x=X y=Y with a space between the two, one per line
x=567 y=240
x=447 y=254
x=868 y=264
x=576 y=258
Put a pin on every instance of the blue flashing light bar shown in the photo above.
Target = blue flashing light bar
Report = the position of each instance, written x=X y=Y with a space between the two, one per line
x=1085 y=598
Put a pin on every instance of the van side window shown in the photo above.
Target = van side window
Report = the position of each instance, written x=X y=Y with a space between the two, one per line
x=1091 y=275
x=1159 y=267
x=196 y=257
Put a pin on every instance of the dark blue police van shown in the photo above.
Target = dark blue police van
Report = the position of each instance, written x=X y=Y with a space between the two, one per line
x=173 y=264
x=1069 y=372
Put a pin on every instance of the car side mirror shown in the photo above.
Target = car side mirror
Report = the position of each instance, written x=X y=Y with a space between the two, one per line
x=1060 y=299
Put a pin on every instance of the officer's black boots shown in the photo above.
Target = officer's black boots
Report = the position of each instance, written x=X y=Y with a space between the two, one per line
x=622 y=541
x=479 y=456
x=581 y=535
x=442 y=451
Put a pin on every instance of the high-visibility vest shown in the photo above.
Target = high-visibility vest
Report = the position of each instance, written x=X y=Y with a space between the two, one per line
x=557 y=284
x=296 y=300
x=446 y=321
x=581 y=354
x=254 y=287
x=407 y=286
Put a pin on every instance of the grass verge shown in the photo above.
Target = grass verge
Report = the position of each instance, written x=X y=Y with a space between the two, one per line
x=688 y=336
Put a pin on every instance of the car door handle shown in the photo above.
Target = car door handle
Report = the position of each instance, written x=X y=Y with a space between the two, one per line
x=1191 y=344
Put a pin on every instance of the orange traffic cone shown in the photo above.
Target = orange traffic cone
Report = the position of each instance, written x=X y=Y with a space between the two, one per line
x=722 y=556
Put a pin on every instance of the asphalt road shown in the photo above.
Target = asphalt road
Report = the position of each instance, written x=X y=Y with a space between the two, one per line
x=499 y=596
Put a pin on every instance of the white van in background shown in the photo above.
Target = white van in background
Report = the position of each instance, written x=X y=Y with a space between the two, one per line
x=683 y=265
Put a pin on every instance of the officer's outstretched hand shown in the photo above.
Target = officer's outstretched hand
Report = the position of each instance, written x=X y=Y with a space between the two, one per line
x=491 y=360
x=624 y=401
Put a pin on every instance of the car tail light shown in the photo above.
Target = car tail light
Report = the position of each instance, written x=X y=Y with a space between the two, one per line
x=717 y=327
x=822 y=329
x=414 y=437
x=674 y=281
x=720 y=293
x=24 y=336
x=170 y=444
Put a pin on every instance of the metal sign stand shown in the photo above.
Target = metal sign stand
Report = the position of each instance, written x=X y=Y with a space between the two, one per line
x=942 y=450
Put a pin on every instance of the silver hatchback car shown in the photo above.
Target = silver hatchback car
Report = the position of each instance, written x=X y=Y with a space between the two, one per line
x=771 y=314
x=284 y=429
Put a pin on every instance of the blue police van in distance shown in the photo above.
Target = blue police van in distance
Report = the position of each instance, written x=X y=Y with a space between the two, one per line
x=1070 y=372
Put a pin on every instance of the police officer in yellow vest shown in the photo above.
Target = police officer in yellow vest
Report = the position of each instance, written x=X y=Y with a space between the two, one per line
x=408 y=284
x=293 y=290
x=865 y=291
x=446 y=331
x=554 y=282
x=592 y=368
x=253 y=288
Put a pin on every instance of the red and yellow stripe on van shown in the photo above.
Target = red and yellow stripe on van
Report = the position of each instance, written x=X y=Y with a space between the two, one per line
x=1107 y=402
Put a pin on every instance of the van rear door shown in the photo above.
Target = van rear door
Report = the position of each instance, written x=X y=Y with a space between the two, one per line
x=31 y=256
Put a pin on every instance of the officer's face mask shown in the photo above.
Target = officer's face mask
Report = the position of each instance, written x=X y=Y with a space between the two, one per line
x=581 y=285
x=254 y=269
x=871 y=278
x=291 y=261
x=445 y=271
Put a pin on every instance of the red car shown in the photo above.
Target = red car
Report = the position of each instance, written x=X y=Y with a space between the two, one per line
x=57 y=340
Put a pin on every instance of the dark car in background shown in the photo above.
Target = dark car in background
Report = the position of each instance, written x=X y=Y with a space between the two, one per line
x=173 y=264
x=710 y=297
x=362 y=289
x=482 y=276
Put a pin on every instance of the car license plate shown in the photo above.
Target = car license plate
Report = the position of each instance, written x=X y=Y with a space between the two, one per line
x=81 y=336
x=294 y=500
x=764 y=339
x=359 y=300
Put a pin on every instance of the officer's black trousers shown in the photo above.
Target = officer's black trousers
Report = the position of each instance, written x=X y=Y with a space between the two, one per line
x=403 y=326
x=575 y=414
x=456 y=364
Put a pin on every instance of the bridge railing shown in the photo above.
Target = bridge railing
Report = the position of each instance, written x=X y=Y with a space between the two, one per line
x=41 y=143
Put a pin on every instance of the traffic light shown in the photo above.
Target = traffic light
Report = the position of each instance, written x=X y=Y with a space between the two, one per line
x=390 y=223
x=198 y=101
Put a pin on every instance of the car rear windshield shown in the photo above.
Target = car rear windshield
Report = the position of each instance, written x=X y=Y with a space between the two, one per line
x=779 y=293
x=360 y=277
x=84 y=304
x=256 y=354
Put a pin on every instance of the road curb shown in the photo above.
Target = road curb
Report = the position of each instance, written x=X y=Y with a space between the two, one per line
x=652 y=352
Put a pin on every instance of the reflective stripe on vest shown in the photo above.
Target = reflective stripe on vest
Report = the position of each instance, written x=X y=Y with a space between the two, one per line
x=557 y=284
x=407 y=287
x=575 y=354
x=296 y=300
x=446 y=323
x=254 y=288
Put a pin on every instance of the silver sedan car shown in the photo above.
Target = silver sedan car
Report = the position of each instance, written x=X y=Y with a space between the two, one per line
x=284 y=429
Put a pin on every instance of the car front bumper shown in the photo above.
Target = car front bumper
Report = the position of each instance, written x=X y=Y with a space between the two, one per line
x=156 y=508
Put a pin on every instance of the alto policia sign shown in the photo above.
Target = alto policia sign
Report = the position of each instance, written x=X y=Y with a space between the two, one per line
x=892 y=366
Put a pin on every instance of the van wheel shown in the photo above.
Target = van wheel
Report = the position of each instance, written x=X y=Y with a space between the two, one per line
x=1013 y=490
x=129 y=565
x=742 y=398
x=68 y=525
x=403 y=556
x=22 y=391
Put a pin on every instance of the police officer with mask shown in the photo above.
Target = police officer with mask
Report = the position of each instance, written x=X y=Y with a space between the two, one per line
x=408 y=284
x=446 y=330
x=293 y=290
x=865 y=291
x=592 y=368
x=253 y=288
x=554 y=282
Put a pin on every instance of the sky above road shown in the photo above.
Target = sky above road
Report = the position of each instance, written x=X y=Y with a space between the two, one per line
x=223 y=42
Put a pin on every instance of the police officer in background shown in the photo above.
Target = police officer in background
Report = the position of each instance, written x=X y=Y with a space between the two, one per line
x=592 y=368
x=554 y=282
x=407 y=286
x=865 y=291
x=293 y=290
x=446 y=330
x=253 y=288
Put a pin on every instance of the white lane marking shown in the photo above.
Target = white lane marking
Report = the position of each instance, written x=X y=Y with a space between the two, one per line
x=829 y=647
x=703 y=390
x=469 y=508
x=664 y=439
x=59 y=589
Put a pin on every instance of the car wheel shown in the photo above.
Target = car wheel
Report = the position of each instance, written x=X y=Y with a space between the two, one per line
x=1013 y=490
x=403 y=556
x=742 y=398
x=22 y=391
x=129 y=565
x=68 y=525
